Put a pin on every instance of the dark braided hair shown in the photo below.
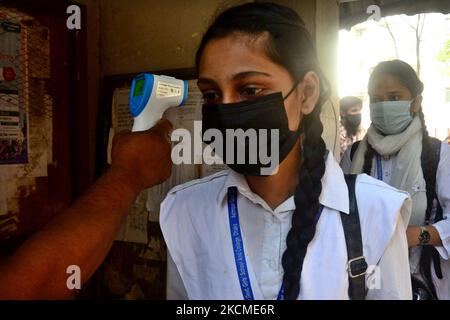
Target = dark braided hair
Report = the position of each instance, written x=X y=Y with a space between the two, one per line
x=289 y=44
x=406 y=75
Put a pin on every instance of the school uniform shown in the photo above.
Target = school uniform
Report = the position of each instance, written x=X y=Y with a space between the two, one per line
x=195 y=224
x=385 y=166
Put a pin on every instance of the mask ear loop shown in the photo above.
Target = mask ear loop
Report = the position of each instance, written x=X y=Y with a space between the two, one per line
x=300 y=129
x=292 y=90
x=414 y=114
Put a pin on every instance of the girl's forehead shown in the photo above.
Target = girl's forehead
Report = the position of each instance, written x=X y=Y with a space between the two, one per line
x=233 y=52
x=386 y=82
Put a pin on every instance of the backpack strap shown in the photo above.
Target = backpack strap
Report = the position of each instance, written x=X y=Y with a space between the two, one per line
x=430 y=253
x=357 y=265
x=435 y=156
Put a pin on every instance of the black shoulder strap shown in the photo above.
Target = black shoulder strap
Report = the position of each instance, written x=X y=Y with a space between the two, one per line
x=430 y=253
x=353 y=149
x=434 y=156
x=357 y=265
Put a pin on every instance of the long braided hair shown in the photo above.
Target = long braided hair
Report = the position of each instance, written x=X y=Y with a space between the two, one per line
x=289 y=44
x=406 y=75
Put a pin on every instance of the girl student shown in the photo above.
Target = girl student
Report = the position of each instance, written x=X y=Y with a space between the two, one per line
x=239 y=234
x=398 y=150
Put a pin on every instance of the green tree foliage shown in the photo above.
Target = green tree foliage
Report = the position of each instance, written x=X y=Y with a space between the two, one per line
x=444 y=54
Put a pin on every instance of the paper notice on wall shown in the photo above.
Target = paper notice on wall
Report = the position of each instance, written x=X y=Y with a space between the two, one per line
x=121 y=118
x=13 y=131
x=181 y=118
x=180 y=174
x=121 y=115
x=109 y=148
x=40 y=141
x=134 y=229
x=10 y=55
x=13 y=116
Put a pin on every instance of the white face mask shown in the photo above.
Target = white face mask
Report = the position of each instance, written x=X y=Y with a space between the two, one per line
x=391 y=117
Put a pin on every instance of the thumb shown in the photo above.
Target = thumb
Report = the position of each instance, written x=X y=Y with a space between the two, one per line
x=163 y=128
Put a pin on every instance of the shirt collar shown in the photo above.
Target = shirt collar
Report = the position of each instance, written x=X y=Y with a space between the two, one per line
x=238 y=180
x=334 y=189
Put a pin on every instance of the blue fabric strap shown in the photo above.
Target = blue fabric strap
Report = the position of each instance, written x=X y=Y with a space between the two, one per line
x=379 y=168
x=238 y=247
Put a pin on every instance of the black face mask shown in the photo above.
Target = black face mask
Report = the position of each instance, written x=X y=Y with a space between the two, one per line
x=267 y=112
x=352 y=123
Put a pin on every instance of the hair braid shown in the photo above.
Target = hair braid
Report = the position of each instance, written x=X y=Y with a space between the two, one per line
x=429 y=170
x=304 y=218
x=368 y=159
x=428 y=167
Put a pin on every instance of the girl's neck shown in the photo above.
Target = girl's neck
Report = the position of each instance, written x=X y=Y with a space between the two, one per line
x=275 y=189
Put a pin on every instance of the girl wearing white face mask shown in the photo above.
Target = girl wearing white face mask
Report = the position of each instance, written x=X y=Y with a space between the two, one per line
x=398 y=151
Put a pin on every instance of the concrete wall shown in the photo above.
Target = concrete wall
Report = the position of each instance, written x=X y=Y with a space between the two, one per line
x=327 y=35
x=154 y=36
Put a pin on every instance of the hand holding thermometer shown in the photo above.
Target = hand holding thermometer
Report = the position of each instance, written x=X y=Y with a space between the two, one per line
x=151 y=95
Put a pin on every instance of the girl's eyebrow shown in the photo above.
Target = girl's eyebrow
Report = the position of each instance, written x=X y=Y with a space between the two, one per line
x=237 y=76
x=205 y=81
x=247 y=74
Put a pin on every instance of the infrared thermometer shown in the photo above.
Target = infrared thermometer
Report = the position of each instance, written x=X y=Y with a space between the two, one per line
x=151 y=95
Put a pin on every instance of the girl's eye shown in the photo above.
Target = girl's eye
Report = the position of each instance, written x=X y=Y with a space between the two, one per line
x=251 y=91
x=210 y=97
x=394 y=98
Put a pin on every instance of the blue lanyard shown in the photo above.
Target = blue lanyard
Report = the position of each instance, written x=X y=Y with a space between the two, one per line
x=238 y=247
x=379 y=168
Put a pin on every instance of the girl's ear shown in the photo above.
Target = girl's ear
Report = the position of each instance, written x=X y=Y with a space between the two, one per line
x=309 y=92
x=416 y=104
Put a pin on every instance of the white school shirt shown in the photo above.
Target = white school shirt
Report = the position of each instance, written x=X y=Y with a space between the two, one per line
x=195 y=225
x=442 y=227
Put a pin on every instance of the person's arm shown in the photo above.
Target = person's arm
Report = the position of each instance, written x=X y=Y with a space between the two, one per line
x=439 y=231
x=413 y=234
x=83 y=234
